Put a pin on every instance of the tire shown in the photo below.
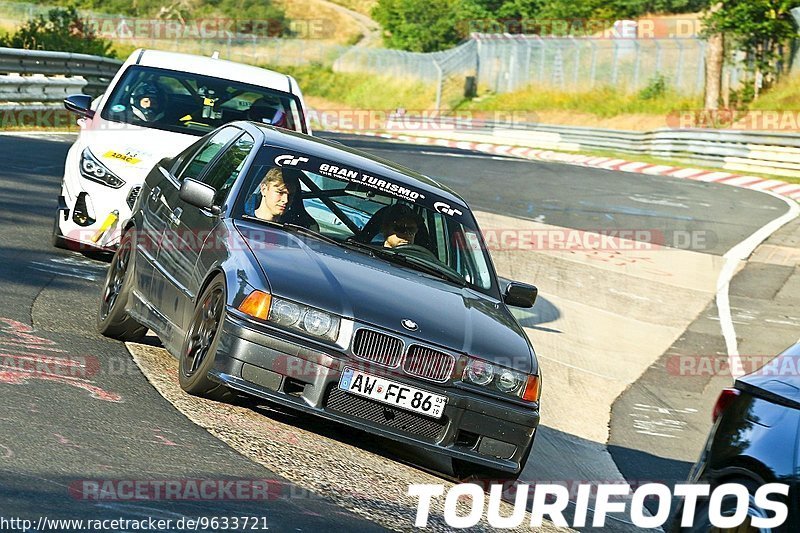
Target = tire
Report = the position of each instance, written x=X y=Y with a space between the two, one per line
x=702 y=522
x=200 y=344
x=113 y=319
x=57 y=239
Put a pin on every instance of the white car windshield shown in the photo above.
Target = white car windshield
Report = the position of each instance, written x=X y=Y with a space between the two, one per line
x=194 y=104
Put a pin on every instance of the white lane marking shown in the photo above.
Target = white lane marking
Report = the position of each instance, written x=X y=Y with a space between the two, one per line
x=612 y=290
x=738 y=253
x=633 y=166
x=657 y=201
x=71 y=267
x=687 y=172
x=714 y=176
x=652 y=420
x=60 y=136
x=475 y=156
x=766 y=184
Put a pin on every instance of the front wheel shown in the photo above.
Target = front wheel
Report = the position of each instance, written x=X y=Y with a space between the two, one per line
x=113 y=319
x=199 y=346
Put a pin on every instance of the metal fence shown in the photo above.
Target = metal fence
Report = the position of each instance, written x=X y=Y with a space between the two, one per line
x=498 y=62
x=512 y=62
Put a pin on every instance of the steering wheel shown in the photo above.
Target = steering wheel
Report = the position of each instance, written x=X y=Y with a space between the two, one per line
x=415 y=250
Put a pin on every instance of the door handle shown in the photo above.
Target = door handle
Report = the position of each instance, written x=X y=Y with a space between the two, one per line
x=175 y=216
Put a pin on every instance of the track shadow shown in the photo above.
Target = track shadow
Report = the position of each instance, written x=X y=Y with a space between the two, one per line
x=542 y=312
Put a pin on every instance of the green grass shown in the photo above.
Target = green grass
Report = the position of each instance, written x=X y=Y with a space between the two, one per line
x=361 y=91
x=783 y=96
x=604 y=102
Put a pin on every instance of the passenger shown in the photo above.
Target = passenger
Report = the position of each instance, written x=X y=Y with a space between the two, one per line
x=276 y=194
x=399 y=226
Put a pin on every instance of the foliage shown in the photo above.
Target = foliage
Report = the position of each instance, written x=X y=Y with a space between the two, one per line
x=424 y=26
x=359 y=90
x=759 y=27
x=656 y=88
x=418 y=25
x=62 y=30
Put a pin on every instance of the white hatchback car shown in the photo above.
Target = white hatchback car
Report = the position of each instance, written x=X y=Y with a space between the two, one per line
x=156 y=106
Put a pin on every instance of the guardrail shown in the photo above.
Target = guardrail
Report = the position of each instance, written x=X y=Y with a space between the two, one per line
x=742 y=151
x=96 y=72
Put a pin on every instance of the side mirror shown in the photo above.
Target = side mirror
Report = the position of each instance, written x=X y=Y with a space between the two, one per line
x=518 y=294
x=80 y=104
x=197 y=193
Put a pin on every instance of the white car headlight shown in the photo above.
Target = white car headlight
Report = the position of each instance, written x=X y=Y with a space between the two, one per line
x=285 y=313
x=504 y=380
x=479 y=372
x=93 y=169
x=309 y=320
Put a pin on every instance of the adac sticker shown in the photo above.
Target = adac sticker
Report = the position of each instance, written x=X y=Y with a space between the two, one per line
x=126 y=157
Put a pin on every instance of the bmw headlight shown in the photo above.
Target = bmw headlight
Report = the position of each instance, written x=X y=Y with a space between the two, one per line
x=309 y=320
x=504 y=380
x=93 y=169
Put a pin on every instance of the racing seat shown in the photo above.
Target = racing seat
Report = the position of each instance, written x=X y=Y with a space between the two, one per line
x=267 y=111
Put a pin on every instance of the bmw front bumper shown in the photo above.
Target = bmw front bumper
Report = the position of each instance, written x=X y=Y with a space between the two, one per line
x=473 y=428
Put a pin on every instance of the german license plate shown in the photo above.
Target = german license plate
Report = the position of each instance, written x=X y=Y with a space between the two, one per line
x=392 y=393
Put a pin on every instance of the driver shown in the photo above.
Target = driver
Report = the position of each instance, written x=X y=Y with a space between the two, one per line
x=399 y=226
x=148 y=102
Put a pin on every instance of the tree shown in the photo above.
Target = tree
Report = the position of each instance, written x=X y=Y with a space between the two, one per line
x=715 y=58
x=62 y=31
x=418 y=25
x=760 y=28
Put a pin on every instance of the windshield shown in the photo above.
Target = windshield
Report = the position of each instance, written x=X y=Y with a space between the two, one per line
x=368 y=213
x=193 y=104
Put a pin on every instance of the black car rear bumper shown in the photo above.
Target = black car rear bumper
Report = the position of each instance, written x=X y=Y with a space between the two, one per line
x=473 y=428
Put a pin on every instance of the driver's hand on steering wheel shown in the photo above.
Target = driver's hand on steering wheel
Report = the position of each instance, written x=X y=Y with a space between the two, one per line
x=393 y=241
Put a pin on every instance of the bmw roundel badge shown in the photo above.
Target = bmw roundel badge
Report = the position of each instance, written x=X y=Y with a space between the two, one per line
x=410 y=325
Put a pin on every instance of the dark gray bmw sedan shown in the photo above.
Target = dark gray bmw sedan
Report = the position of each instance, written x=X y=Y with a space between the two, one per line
x=321 y=278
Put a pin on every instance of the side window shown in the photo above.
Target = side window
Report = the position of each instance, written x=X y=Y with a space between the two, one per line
x=227 y=168
x=198 y=162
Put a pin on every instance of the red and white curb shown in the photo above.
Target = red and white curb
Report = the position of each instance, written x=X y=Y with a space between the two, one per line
x=789 y=190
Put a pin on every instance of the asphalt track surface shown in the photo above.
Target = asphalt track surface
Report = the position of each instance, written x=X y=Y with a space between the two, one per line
x=111 y=424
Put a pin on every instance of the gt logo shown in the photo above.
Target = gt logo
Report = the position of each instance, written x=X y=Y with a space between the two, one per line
x=289 y=160
x=445 y=209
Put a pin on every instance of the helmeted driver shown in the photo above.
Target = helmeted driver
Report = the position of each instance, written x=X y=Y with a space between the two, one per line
x=148 y=102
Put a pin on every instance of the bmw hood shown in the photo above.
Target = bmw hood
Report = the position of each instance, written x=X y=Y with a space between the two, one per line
x=131 y=152
x=381 y=294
